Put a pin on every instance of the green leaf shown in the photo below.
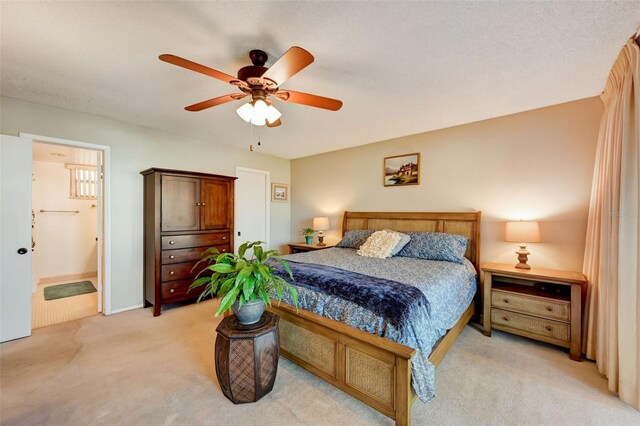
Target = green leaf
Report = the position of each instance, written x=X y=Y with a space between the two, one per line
x=200 y=281
x=248 y=286
x=227 y=301
x=258 y=253
x=222 y=268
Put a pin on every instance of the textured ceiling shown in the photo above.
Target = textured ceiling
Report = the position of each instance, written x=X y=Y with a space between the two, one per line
x=400 y=67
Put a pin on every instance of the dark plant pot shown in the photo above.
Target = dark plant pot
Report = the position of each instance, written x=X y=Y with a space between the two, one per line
x=309 y=240
x=250 y=312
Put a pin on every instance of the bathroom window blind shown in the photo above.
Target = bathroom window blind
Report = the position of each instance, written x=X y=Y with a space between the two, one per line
x=84 y=181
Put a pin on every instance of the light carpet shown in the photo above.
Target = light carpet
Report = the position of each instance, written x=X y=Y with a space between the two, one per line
x=134 y=369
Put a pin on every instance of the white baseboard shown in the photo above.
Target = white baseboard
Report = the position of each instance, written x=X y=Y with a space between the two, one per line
x=59 y=278
x=130 y=308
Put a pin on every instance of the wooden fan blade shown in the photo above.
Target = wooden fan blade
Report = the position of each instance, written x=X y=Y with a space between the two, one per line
x=308 y=99
x=292 y=62
x=215 y=102
x=274 y=124
x=190 y=65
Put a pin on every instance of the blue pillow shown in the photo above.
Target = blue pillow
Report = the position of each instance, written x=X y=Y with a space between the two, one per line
x=354 y=239
x=436 y=246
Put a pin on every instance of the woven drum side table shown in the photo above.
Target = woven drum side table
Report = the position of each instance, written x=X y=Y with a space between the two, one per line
x=246 y=357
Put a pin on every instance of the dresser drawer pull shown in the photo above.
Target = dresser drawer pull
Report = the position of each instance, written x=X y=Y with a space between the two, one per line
x=171 y=256
x=198 y=204
x=549 y=308
x=505 y=300
x=172 y=273
x=173 y=290
x=505 y=318
x=549 y=328
x=223 y=250
x=202 y=204
x=172 y=242
x=224 y=238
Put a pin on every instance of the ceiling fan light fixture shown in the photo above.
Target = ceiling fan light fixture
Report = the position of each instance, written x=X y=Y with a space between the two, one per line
x=259 y=113
x=273 y=114
x=245 y=112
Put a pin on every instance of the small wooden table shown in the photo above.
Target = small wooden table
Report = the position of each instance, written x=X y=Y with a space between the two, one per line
x=246 y=357
x=542 y=304
x=302 y=247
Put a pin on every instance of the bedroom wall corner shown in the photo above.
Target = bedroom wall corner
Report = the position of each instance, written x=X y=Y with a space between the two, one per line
x=535 y=165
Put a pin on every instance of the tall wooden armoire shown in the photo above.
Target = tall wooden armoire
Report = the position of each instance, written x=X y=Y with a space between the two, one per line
x=184 y=214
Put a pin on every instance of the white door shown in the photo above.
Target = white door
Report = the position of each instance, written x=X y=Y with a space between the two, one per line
x=15 y=237
x=251 y=206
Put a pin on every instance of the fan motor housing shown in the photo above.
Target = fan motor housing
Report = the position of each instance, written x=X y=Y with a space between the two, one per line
x=251 y=74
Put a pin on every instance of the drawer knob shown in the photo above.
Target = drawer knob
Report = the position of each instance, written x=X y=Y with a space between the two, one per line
x=223 y=250
x=549 y=328
x=505 y=319
x=172 y=242
x=172 y=272
x=173 y=290
x=549 y=308
x=198 y=204
x=202 y=204
x=171 y=256
x=505 y=300
x=224 y=238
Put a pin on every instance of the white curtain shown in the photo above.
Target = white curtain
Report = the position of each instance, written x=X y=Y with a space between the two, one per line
x=612 y=313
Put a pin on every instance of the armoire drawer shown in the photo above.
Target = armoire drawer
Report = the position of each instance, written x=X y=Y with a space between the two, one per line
x=179 y=290
x=186 y=255
x=542 y=307
x=540 y=326
x=180 y=271
x=194 y=240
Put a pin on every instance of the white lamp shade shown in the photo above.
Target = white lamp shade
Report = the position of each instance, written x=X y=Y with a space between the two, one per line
x=522 y=232
x=259 y=113
x=320 y=223
x=272 y=114
x=245 y=112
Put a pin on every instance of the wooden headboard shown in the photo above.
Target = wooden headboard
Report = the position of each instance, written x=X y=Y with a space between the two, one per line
x=466 y=224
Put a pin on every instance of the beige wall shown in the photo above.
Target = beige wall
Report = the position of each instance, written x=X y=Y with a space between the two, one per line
x=134 y=149
x=534 y=165
x=65 y=242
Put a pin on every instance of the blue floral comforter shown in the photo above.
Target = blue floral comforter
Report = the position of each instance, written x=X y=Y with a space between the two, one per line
x=448 y=287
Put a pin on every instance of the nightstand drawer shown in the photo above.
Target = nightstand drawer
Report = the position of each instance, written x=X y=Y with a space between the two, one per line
x=542 y=327
x=542 y=307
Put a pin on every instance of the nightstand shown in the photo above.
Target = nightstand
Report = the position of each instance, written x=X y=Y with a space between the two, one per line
x=542 y=304
x=302 y=247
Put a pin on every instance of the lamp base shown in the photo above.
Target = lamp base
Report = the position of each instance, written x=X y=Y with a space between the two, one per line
x=321 y=240
x=523 y=256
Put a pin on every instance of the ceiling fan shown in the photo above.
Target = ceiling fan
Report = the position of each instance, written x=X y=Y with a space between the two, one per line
x=260 y=83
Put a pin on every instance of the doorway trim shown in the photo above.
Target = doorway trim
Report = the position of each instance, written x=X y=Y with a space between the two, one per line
x=106 y=208
x=267 y=201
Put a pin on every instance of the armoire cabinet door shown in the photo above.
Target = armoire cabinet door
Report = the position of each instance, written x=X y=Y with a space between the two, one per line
x=215 y=204
x=180 y=203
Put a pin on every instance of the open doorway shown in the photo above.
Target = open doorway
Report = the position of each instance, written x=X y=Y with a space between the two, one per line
x=66 y=195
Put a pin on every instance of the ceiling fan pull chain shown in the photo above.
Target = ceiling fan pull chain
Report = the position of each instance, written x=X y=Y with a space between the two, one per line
x=250 y=136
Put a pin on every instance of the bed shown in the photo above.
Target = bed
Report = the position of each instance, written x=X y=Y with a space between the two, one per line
x=371 y=368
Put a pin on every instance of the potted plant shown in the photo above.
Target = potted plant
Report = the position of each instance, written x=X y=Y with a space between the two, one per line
x=244 y=285
x=308 y=234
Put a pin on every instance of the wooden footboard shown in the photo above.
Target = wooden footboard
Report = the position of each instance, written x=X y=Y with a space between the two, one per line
x=375 y=370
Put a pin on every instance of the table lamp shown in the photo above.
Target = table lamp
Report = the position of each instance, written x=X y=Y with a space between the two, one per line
x=522 y=232
x=320 y=224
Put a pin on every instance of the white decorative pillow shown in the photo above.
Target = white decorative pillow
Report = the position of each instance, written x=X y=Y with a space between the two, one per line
x=380 y=244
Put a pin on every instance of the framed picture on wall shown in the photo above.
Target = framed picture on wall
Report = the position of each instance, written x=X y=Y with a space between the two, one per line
x=401 y=170
x=279 y=192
